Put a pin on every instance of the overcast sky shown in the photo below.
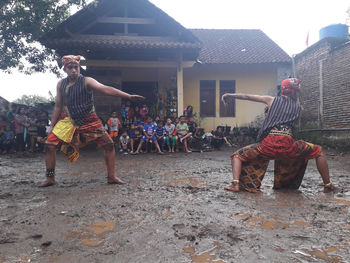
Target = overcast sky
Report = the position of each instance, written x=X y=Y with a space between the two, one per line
x=285 y=22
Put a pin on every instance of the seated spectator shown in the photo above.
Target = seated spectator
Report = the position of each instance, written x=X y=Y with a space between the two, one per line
x=139 y=123
x=149 y=131
x=219 y=138
x=160 y=134
x=113 y=126
x=176 y=121
x=124 y=141
x=183 y=133
x=170 y=137
x=144 y=112
x=127 y=125
x=192 y=127
x=135 y=137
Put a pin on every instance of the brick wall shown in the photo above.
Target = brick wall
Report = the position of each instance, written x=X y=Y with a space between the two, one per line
x=333 y=57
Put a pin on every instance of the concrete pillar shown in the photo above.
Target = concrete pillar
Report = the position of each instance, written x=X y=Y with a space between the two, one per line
x=180 y=86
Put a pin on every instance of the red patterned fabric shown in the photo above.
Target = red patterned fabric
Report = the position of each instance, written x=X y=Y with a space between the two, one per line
x=91 y=130
x=70 y=59
x=291 y=158
x=289 y=85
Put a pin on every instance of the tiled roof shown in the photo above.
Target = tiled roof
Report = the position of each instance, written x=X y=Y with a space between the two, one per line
x=114 y=42
x=243 y=46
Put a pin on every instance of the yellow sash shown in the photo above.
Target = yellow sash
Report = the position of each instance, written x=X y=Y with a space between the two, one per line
x=64 y=129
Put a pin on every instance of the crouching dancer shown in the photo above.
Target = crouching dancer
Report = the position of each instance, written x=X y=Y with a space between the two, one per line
x=275 y=142
x=74 y=121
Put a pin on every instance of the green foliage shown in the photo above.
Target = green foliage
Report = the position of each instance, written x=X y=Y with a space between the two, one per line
x=32 y=100
x=22 y=23
x=317 y=137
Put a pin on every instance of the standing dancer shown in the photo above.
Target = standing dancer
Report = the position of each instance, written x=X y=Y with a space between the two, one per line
x=275 y=142
x=74 y=121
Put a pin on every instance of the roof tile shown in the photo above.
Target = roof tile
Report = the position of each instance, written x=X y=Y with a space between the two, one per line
x=238 y=46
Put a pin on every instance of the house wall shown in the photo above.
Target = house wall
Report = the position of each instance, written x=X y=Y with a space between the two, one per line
x=327 y=67
x=252 y=79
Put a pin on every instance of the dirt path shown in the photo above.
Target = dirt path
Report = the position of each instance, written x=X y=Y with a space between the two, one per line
x=173 y=209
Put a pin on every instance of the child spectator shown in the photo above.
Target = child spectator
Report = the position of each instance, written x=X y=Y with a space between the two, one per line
x=131 y=111
x=2 y=139
x=135 y=137
x=144 y=112
x=176 y=121
x=21 y=124
x=160 y=134
x=32 y=132
x=149 y=131
x=192 y=127
x=170 y=135
x=124 y=142
x=41 y=124
x=139 y=123
x=113 y=125
x=9 y=142
x=219 y=138
x=183 y=134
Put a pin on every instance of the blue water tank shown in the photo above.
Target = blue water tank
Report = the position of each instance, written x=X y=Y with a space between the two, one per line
x=336 y=30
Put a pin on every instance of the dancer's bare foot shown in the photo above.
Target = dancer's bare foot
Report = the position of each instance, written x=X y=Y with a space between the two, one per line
x=330 y=188
x=232 y=188
x=48 y=182
x=114 y=180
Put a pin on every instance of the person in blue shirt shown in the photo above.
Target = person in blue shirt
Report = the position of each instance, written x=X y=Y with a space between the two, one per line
x=139 y=123
x=149 y=131
x=160 y=134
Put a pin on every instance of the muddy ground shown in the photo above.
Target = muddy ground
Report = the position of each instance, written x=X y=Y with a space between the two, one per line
x=172 y=209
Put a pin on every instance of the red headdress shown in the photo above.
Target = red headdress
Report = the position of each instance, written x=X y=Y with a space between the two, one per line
x=289 y=85
x=70 y=59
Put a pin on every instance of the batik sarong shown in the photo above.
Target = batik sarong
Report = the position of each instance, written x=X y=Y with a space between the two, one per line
x=290 y=157
x=91 y=130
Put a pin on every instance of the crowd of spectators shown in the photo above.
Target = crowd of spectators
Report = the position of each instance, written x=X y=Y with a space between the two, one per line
x=139 y=132
x=22 y=129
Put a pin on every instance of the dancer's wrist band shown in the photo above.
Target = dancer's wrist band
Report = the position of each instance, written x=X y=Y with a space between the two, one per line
x=328 y=185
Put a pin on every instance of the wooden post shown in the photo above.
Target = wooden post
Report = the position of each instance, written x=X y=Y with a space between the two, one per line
x=180 y=86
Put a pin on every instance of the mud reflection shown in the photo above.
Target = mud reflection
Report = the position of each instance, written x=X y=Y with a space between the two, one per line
x=204 y=257
x=324 y=254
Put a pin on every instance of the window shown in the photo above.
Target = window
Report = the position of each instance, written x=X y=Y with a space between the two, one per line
x=227 y=86
x=207 y=98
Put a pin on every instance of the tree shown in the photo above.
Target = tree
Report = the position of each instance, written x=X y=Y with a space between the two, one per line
x=22 y=23
x=32 y=100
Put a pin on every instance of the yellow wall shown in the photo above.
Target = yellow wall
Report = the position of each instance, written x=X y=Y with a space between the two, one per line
x=251 y=79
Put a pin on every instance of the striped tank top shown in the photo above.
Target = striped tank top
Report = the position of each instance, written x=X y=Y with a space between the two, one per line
x=283 y=112
x=78 y=99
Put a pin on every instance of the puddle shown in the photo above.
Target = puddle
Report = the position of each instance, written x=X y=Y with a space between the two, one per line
x=323 y=253
x=344 y=201
x=263 y=223
x=301 y=223
x=91 y=243
x=168 y=213
x=101 y=227
x=204 y=257
x=91 y=236
x=194 y=182
x=170 y=174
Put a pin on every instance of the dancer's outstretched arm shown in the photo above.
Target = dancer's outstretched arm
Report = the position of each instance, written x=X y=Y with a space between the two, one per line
x=257 y=98
x=97 y=86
